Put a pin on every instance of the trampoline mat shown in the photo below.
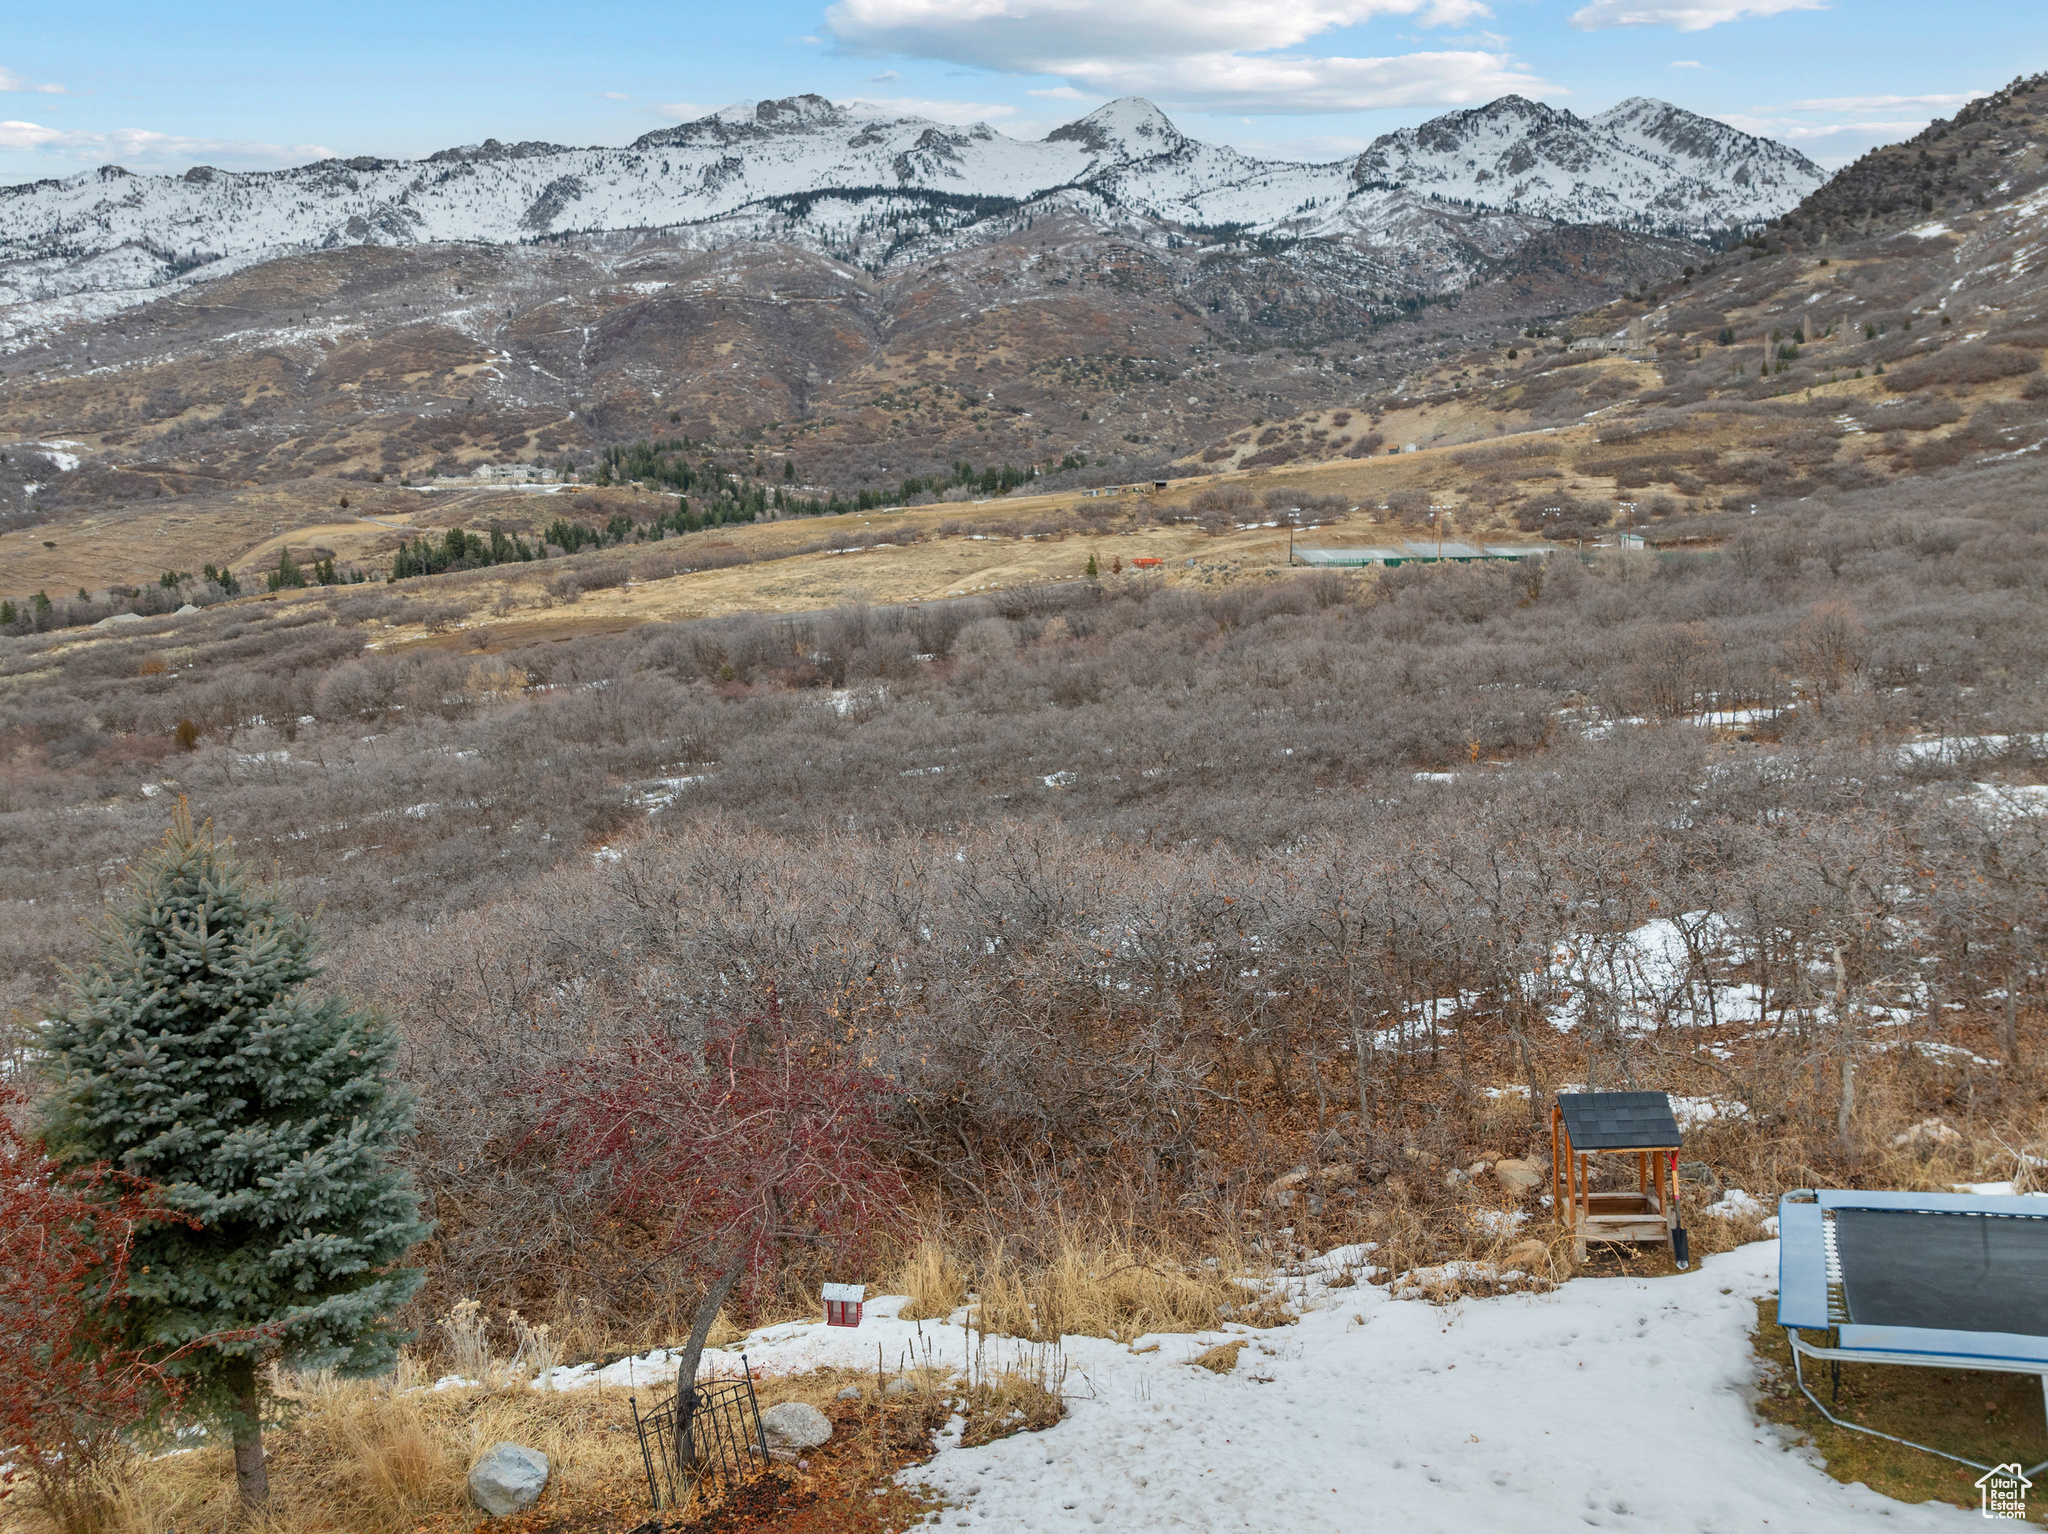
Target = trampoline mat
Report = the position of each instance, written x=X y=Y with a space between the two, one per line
x=1947 y=1272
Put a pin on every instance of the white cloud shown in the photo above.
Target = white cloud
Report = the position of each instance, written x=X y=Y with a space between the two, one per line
x=617 y=96
x=144 y=149
x=1685 y=15
x=1885 y=103
x=884 y=77
x=960 y=113
x=15 y=135
x=1316 y=149
x=685 y=111
x=1300 y=83
x=1793 y=130
x=10 y=81
x=1218 y=55
x=1687 y=64
x=1833 y=139
x=1060 y=93
x=1029 y=35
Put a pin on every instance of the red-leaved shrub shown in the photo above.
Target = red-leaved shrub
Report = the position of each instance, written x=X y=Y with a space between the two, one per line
x=744 y=1148
x=68 y=1389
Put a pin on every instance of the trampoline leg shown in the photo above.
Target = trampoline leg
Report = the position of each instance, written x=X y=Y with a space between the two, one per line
x=2035 y=1470
x=1799 y=1376
x=1835 y=1379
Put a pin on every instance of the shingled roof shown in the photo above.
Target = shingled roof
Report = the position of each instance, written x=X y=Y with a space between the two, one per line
x=1599 y=1121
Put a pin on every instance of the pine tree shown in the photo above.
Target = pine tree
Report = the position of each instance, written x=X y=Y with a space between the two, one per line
x=190 y=1056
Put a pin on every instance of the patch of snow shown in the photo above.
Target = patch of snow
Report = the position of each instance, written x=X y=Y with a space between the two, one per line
x=1690 y=1112
x=1369 y=1402
x=1735 y=1205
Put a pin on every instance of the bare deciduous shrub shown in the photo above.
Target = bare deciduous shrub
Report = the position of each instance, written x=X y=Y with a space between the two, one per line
x=986 y=639
x=1961 y=364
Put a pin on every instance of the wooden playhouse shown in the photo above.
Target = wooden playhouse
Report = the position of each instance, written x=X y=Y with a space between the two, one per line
x=1640 y=1124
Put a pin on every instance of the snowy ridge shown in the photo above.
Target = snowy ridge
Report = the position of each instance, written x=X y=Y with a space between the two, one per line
x=1643 y=165
x=807 y=171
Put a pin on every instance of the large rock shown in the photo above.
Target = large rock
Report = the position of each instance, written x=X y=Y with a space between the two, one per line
x=794 y=1426
x=1519 y=1176
x=1529 y=1256
x=1281 y=1190
x=508 y=1478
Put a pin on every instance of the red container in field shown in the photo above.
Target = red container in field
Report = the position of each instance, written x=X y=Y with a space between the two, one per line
x=843 y=1303
x=1147 y=564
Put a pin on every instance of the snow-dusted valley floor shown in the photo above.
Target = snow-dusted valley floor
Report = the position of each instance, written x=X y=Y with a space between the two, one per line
x=1609 y=1403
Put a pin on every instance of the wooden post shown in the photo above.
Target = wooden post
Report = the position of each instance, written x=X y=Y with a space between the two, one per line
x=1582 y=1206
x=1556 y=1150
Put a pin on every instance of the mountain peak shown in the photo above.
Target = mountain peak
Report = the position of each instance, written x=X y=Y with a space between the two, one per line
x=795 y=111
x=489 y=149
x=746 y=120
x=1643 y=164
x=1129 y=124
x=1687 y=135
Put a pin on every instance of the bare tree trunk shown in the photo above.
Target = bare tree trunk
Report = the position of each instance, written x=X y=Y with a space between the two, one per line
x=252 y=1476
x=693 y=1353
x=1845 y=1019
x=1521 y=1040
x=1361 y=1069
x=2011 y=1030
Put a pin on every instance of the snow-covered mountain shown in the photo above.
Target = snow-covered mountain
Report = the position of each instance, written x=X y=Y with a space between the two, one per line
x=882 y=189
x=1643 y=165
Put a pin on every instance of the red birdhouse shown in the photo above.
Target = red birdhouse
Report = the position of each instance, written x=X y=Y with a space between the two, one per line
x=843 y=1303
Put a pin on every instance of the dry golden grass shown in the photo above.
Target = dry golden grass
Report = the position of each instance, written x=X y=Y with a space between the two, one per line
x=1221 y=1359
x=1101 y=1285
x=933 y=1280
x=367 y=1457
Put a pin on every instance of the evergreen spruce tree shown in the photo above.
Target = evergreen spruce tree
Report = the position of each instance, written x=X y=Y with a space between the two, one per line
x=191 y=1056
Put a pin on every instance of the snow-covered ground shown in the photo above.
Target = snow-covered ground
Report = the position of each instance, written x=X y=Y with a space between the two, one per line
x=1608 y=1403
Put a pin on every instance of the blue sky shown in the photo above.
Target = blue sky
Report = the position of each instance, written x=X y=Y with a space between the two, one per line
x=158 y=87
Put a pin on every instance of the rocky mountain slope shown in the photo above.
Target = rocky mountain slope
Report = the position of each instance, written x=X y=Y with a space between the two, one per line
x=1423 y=211
x=1641 y=165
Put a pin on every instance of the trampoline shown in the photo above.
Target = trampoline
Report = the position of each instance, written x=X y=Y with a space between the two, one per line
x=1942 y=1280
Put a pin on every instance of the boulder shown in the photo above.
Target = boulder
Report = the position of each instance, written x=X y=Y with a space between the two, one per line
x=1281 y=1189
x=794 y=1426
x=1699 y=1172
x=1531 y=1256
x=508 y=1478
x=1928 y=1132
x=1519 y=1176
x=850 y=1393
x=898 y=1388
